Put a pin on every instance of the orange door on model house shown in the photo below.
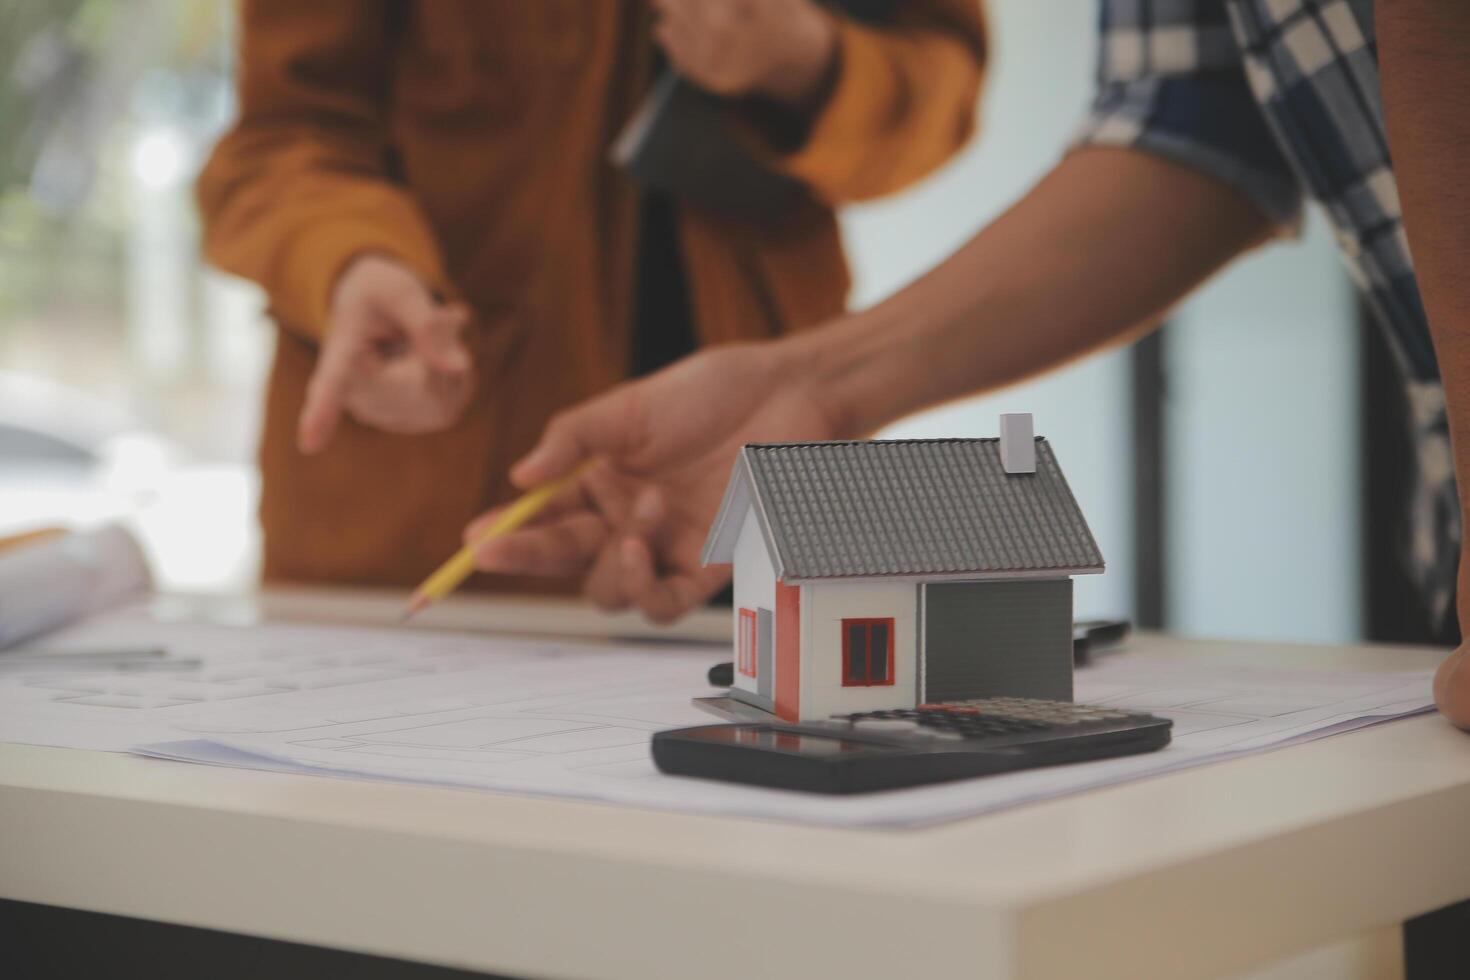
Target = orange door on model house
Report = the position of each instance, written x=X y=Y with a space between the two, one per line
x=788 y=651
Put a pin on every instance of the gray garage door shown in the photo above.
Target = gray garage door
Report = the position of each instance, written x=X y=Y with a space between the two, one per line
x=998 y=639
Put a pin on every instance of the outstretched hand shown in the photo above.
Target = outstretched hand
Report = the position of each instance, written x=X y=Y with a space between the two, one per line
x=636 y=524
x=392 y=357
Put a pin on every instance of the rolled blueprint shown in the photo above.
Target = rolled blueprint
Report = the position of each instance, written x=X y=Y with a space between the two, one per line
x=46 y=585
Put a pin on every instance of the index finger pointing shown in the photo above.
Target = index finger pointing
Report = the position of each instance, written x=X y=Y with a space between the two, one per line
x=326 y=395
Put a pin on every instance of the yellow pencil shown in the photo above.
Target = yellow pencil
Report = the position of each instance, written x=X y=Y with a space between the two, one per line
x=454 y=571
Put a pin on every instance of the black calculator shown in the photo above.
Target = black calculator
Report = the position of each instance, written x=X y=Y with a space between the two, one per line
x=877 y=750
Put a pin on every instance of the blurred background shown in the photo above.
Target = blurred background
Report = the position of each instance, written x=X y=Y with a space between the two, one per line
x=1219 y=463
x=129 y=373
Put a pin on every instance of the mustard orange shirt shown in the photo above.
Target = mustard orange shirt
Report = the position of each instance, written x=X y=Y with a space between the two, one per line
x=469 y=138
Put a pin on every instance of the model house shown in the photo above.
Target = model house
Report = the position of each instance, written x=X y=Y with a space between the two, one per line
x=890 y=573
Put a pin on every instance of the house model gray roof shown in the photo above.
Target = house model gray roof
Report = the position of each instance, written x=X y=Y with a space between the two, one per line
x=920 y=507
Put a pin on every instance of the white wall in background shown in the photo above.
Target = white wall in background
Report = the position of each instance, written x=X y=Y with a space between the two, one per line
x=1038 y=85
x=1261 y=456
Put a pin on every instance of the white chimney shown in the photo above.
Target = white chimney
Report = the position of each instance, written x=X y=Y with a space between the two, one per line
x=1017 y=443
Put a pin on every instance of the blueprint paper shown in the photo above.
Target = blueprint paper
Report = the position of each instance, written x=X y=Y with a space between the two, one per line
x=46 y=585
x=264 y=679
x=572 y=720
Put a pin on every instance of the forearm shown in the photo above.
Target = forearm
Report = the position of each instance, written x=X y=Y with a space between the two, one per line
x=298 y=187
x=294 y=230
x=1424 y=47
x=899 y=101
x=1091 y=256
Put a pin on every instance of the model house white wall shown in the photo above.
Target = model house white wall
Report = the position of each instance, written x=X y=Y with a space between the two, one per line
x=855 y=529
x=754 y=583
x=824 y=605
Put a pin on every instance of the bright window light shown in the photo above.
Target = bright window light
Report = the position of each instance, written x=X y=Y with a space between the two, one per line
x=159 y=158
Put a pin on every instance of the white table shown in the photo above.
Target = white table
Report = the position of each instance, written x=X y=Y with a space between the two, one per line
x=1206 y=873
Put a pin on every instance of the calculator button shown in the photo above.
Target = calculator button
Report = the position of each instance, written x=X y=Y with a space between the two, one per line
x=885 y=724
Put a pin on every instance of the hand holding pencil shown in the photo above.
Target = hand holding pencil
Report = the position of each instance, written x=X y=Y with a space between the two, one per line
x=665 y=445
x=450 y=575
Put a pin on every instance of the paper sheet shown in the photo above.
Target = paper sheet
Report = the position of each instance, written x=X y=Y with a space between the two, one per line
x=46 y=585
x=573 y=720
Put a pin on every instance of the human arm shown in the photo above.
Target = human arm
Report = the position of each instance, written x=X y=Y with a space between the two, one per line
x=299 y=185
x=297 y=197
x=1176 y=172
x=1424 y=53
x=1091 y=256
x=863 y=109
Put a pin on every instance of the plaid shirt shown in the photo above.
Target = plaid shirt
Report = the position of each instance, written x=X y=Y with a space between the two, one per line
x=1277 y=97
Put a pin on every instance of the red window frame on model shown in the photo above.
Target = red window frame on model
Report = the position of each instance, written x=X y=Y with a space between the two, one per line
x=745 y=643
x=862 y=665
